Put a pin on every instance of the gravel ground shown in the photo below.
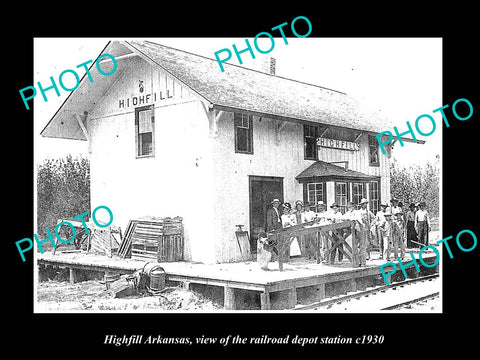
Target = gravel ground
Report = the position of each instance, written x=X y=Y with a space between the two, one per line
x=92 y=295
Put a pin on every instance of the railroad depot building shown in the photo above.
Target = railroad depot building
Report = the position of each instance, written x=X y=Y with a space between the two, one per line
x=169 y=134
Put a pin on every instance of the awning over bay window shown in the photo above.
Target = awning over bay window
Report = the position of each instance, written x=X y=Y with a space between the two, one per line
x=324 y=171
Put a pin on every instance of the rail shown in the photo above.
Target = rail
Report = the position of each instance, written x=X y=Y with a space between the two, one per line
x=376 y=289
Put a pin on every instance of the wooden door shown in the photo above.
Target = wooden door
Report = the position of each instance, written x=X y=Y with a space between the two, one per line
x=263 y=190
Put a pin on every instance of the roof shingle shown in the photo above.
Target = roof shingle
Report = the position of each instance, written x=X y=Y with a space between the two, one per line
x=324 y=169
x=240 y=88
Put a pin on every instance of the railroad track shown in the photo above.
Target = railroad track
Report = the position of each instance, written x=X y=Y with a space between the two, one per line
x=416 y=290
x=414 y=301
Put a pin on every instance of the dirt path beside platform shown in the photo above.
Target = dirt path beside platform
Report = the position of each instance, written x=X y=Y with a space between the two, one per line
x=92 y=295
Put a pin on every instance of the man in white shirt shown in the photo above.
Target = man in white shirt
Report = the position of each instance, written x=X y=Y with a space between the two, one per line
x=366 y=219
x=394 y=206
x=422 y=223
x=378 y=223
x=307 y=241
x=387 y=231
x=320 y=219
x=308 y=214
x=321 y=210
x=351 y=213
x=335 y=216
x=399 y=233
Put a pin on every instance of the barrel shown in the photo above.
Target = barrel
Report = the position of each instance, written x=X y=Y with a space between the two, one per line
x=156 y=276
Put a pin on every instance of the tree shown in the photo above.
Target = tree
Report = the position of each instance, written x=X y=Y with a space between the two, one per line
x=63 y=190
x=416 y=183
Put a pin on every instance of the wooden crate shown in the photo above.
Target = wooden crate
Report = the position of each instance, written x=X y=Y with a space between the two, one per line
x=170 y=248
x=158 y=239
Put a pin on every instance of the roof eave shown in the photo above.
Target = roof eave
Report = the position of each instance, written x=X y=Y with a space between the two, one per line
x=298 y=120
x=315 y=178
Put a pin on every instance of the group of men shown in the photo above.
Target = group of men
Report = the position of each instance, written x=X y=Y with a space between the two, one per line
x=388 y=228
x=408 y=228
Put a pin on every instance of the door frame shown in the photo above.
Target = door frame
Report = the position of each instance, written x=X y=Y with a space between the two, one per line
x=251 y=178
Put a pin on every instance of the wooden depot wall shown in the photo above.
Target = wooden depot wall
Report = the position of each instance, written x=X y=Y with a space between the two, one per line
x=177 y=180
x=194 y=174
x=277 y=154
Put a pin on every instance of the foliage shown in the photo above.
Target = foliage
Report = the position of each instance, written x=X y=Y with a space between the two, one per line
x=63 y=190
x=416 y=183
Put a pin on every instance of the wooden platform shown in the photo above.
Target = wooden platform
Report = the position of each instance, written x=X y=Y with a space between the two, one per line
x=301 y=281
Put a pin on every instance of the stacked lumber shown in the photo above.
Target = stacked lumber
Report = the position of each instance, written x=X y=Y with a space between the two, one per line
x=125 y=248
x=159 y=239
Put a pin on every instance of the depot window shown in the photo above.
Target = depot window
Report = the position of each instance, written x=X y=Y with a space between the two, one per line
x=373 y=151
x=316 y=193
x=359 y=192
x=243 y=133
x=374 y=196
x=310 y=134
x=144 y=131
x=341 y=195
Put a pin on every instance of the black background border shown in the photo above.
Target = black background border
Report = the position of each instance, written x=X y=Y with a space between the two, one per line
x=57 y=335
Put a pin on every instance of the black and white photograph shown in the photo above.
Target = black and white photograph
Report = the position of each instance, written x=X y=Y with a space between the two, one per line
x=173 y=181
x=211 y=182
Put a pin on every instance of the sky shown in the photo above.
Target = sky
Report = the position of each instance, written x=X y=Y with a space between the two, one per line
x=401 y=77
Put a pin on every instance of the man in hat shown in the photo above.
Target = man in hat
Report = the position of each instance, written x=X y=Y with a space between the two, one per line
x=309 y=239
x=422 y=223
x=335 y=216
x=320 y=217
x=351 y=213
x=394 y=205
x=273 y=221
x=365 y=239
x=399 y=233
x=309 y=214
x=411 y=233
x=302 y=215
x=377 y=224
x=321 y=210
x=401 y=210
x=387 y=230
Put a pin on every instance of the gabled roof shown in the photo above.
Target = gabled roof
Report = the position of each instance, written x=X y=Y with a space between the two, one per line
x=63 y=124
x=325 y=170
x=240 y=88
x=236 y=89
